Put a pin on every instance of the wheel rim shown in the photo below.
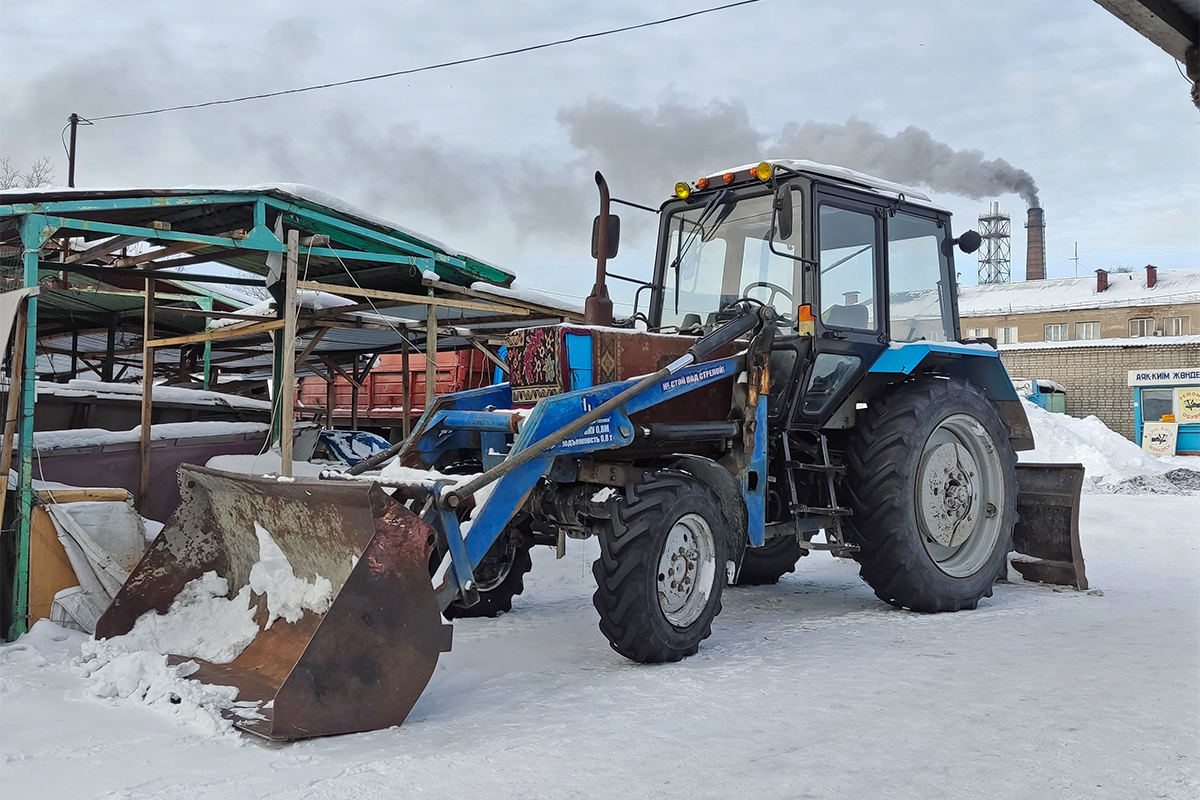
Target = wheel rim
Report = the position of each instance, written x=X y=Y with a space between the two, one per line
x=960 y=495
x=685 y=570
x=494 y=568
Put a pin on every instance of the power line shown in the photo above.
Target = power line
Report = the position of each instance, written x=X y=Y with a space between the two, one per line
x=429 y=67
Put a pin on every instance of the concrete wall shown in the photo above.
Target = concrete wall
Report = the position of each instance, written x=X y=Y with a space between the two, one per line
x=1096 y=377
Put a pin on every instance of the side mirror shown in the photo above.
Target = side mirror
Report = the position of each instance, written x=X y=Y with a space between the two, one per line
x=783 y=211
x=614 y=236
x=969 y=242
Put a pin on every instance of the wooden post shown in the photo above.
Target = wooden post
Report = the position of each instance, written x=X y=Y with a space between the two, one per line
x=15 y=369
x=110 y=350
x=406 y=388
x=74 y=354
x=330 y=399
x=430 y=356
x=354 y=394
x=147 y=394
x=287 y=376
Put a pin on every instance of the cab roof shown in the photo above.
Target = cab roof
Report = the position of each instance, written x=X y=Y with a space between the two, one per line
x=841 y=175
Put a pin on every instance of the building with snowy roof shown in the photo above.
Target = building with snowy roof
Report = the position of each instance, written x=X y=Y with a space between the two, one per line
x=1146 y=303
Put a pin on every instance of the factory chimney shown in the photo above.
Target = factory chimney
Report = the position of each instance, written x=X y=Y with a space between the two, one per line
x=1035 y=252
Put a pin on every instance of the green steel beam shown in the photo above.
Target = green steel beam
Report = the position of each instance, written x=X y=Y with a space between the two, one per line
x=355 y=255
x=396 y=240
x=35 y=231
x=123 y=203
x=251 y=242
x=206 y=303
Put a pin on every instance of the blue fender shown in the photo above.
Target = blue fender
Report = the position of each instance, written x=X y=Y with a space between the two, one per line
x=976 y=363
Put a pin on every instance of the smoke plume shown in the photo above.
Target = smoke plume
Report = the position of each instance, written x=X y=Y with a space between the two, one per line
x=672 y=141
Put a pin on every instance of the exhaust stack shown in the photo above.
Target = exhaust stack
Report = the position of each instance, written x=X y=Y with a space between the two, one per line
x=1035 y=251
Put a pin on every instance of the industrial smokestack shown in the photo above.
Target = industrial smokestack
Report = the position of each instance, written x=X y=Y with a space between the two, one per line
x=1035 y=250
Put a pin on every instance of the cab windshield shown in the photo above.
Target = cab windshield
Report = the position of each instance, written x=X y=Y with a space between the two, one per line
x=718 y=251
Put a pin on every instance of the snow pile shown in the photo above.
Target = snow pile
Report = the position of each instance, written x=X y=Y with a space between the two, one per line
x=202 y=622
x=305 y=298
x=92 y=437
x=424 y=478
x=287 y=596
x=1113 y=464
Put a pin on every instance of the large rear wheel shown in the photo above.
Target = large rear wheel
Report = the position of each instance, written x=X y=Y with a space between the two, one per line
x=932 y=481
x=662 y=568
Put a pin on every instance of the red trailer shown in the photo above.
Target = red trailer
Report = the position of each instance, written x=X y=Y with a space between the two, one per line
x=381 y=396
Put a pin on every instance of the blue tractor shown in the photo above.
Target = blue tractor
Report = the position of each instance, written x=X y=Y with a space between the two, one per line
x=796 y=382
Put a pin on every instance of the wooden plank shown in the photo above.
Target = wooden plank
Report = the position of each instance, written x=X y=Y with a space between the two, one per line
x=50 y=570
x=93 y=495
x=162 y=252
x=147 y=394
x=415 y=299
x=287 y=379
x=406 y=388
x=102 y=249
x=430 y=356
x=355 y=387
x=549 y=311
x=495 y=359
x=228 y=332
x=312 y=345
x=15 y=373
x=327 y=361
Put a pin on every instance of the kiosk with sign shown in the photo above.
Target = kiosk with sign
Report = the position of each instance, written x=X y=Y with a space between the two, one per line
x=1167 y=398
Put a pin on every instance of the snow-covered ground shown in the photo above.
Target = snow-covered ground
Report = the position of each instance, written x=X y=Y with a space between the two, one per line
x=811 y=688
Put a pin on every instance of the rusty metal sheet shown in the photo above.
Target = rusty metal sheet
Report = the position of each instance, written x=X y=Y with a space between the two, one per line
x=359 y=666
x=1046 y=536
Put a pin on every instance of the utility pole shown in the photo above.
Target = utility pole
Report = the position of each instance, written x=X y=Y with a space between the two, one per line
x=1076 y=259
x=74 y=121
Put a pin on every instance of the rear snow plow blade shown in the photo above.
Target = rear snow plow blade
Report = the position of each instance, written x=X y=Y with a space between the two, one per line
x=1046 y=538
x=359 y=666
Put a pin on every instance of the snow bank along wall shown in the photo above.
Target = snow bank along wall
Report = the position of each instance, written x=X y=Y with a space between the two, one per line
x=1095 y=373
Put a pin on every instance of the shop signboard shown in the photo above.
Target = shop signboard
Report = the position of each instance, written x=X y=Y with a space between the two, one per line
x=1165 y=376
x=1158 y=438
x=1187 y=406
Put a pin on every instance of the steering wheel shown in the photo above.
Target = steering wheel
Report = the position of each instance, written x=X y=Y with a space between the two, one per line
x=775 y=289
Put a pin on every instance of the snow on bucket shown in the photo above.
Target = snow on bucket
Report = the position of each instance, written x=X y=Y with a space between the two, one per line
x=337 y=576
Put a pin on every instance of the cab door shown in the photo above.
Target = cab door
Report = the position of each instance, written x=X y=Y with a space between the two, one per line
x=846 y=290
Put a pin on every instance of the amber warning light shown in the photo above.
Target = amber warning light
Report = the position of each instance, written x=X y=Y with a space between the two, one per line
x=805 y=323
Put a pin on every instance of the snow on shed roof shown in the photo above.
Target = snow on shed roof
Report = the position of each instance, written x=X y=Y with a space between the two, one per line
x=298 y=191
x=1125 y=289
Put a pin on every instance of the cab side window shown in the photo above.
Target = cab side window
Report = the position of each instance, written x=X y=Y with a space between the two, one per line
x=847 y=258
x=917 y=303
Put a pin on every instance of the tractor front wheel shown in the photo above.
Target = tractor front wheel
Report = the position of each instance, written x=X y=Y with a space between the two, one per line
x=932 y=481
x=767 y=564
x=662 y=568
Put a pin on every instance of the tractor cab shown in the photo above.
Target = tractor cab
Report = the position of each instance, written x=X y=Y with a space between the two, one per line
x=850 y=263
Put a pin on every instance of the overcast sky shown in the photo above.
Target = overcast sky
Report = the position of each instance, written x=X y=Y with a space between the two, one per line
x=496 y=158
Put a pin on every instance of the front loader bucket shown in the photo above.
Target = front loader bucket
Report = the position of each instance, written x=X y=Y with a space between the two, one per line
x=1046 y=537
x=359 y=666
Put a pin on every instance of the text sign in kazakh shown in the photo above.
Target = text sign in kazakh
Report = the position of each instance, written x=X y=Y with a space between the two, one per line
x=1168 y=376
